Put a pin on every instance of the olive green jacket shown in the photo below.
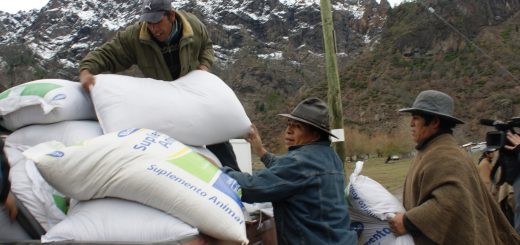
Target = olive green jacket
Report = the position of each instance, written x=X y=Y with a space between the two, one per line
x=136 y=46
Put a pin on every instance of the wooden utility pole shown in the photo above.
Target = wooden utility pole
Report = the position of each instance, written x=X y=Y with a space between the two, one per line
x=334 y=92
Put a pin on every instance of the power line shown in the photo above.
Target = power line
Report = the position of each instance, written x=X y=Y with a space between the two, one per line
x=500 y=66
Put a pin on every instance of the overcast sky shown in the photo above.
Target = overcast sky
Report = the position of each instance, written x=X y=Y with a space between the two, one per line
x=13 y=6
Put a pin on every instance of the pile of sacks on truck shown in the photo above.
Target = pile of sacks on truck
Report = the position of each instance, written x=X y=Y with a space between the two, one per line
x=111 y=165
x=128 y=163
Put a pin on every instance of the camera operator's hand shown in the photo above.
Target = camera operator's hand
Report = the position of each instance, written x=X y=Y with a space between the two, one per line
x=514 y=139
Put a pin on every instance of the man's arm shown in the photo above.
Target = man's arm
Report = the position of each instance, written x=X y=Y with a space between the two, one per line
x=86 y=79
x=207 y=54
x=400 y=225
x=114 y=56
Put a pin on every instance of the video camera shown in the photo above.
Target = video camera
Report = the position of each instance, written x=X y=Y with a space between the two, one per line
x=497 y=139
x=507 y=159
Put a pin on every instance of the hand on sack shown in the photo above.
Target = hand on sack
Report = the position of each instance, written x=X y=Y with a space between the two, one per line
x=87 y=80
x=10 y=204
x=202 y=67
x=256 y=142
x=397 y=224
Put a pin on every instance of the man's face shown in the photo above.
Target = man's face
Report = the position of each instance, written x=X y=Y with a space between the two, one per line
x=298 y=133
x=421 y=131
x=161 y=29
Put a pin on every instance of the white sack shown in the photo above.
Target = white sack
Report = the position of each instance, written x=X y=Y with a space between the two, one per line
x=117 y=220
x=68 y=132
x=370 y=197
x=370 y=208
x=44 y=101
x=375 y=231
x=145 y=166
x=196 y=109
x=44 y=203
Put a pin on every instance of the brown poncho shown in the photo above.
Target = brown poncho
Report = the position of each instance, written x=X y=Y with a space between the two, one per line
x=448 y=202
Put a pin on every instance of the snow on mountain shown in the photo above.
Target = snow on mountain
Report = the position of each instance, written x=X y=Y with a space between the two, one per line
x=63 y=31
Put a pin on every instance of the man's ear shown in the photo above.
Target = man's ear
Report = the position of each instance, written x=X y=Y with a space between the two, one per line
x=436 y=122
x=171 y=16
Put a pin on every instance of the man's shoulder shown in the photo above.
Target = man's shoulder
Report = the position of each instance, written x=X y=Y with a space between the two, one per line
x=186 y=14
x=134 y=27
x=447 y=155
x=132 y=31
x=191 y=18
x=322 y=148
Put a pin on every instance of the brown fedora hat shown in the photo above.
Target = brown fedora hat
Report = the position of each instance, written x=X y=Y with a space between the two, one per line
x=314 y=112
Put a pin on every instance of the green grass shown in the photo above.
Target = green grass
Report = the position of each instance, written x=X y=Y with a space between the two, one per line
x=390 y=175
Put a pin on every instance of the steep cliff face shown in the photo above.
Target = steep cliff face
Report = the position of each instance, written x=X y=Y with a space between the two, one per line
x=467 y=49
x=442 y=25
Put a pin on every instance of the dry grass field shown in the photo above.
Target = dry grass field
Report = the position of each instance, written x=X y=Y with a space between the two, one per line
x=391 y=175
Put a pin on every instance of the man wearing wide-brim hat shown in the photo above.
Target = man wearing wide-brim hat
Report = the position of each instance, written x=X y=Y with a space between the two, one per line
x=305 y=185
x=446 y=202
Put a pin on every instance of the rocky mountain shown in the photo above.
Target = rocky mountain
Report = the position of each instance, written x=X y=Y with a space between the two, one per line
x=267 y=51
x=468 y=49
x=271 y=53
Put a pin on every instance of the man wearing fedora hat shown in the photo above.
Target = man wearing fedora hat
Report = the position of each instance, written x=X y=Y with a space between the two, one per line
x=446 y=202
x=305 y=185
x=485 y=165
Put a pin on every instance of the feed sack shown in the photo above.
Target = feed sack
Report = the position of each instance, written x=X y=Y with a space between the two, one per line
x=117 y=220
x=370 y=208
x=151 y=168
x=196 y=109
x=44 y=101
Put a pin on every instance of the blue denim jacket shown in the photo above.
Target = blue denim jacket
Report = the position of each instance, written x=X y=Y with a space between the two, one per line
x=305 y=187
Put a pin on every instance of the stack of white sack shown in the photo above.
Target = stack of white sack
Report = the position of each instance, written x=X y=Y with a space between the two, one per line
x=90 y=221
x=196 y=109
x=51 y=110
x=39 y=111
x=43 y=102
x=45 y=204
x=118 y=220
x=370 y=208
x=151 y=168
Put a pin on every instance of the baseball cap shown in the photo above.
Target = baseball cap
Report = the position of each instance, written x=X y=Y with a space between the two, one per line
x=153 y=10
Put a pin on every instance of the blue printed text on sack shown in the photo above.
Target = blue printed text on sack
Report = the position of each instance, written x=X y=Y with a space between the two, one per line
x=154 y=138
x=378 y=236
x=213 y=199
x=360 y=203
